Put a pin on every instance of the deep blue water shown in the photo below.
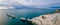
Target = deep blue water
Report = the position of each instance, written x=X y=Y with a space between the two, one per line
x=26 y=13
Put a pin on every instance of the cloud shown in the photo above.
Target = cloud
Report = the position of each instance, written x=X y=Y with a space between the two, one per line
x=29 y=3
x=55 y=5
x=3 y=7
x=36 y=3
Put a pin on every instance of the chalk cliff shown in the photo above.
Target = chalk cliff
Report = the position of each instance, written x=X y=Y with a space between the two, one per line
x=47 y=19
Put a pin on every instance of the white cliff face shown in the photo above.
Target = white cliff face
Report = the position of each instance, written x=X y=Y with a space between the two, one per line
x=48 y=19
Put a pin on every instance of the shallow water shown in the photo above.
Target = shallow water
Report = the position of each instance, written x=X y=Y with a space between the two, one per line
x=26 y=13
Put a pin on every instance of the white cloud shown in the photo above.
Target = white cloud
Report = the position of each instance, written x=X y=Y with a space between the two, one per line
x=0 y=1
x=33 y=3
x=37 y=3
x=3 y=7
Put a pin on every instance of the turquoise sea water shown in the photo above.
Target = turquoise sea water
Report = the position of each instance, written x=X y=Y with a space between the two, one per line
x=26 y=13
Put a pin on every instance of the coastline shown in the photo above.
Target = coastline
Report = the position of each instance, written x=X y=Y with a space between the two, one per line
x=50 y=19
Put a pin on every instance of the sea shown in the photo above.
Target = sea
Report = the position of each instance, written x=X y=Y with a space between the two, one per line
x=21 y=13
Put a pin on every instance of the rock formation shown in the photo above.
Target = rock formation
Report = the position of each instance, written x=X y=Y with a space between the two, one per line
x=49 y=19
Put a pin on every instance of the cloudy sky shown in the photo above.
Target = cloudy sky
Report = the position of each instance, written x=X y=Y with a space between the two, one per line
x=29 y=3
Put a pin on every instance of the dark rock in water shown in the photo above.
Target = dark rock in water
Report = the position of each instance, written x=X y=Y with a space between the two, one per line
x=26 y=21
x=58 y=10
x=13 y=17
x=8 y=15
x=23 y=19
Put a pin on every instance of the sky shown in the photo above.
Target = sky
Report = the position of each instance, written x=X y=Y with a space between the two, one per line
x=11 y=4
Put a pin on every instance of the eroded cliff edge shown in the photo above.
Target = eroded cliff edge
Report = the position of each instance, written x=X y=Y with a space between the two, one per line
x=48 y=19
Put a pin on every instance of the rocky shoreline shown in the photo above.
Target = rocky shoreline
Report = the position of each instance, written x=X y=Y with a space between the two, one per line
x=48 y=19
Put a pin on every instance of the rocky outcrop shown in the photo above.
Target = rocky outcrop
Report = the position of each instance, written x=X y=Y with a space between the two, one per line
x=48 y=19
x=58 y=11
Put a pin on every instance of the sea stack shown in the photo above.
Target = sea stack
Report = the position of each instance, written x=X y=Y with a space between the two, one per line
x=8 y=15
x=23 y=19
x=26 y=21
x=13 y=17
